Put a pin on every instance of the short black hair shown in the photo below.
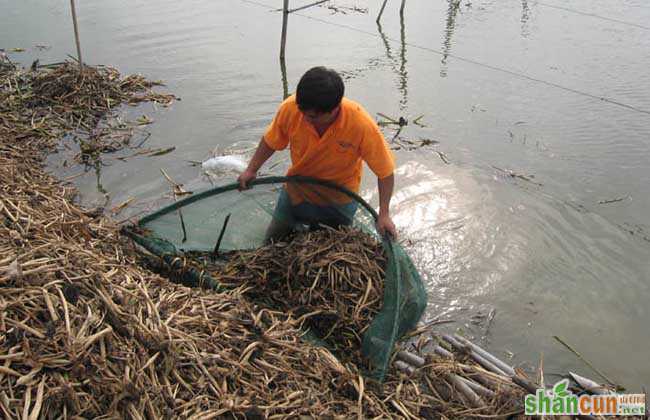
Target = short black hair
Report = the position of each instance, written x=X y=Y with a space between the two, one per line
x=319 y=89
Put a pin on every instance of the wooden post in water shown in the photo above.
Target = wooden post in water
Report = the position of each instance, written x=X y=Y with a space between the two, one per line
x=76 y=34
x=285 y=83
x=401 y=8
x=285 y=19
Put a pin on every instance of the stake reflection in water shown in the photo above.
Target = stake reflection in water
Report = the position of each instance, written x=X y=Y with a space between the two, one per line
x=383 y=6
x=403 y=74
x=398 y=67
x=525 y=15
x=452 y=11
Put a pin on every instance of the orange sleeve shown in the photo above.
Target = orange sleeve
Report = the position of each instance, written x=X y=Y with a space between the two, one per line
x=276 y=136
x=375 y=151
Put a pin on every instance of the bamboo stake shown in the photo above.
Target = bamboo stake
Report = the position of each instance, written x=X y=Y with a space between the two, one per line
x=285 y=83
x=285 y=20
x=76 y=33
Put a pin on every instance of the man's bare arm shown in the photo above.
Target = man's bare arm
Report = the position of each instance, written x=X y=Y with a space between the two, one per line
x=384 y=222
x=262 y=154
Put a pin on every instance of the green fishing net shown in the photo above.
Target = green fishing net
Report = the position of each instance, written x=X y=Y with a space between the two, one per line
x=225 y=219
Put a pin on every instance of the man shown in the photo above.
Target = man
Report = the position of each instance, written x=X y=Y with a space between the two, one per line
x=329 y=137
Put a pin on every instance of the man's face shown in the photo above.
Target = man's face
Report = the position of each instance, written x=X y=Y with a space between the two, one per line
x=320 y=118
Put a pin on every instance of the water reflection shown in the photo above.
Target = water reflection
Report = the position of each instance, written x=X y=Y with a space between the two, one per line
x=398 y=64
x=447 y=228
x=525 y=16
x=403 y=74
x=450 y=26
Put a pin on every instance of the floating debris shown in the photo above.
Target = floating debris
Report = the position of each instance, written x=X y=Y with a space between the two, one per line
x=417 y=121
x=144 y=120
x=513 y=174
x=161 y=151
x=443 y=157
x=117 y=209
x=345 y=9
x=398 y=141
x=401 y=121
x=51 y=101
x=613 y=200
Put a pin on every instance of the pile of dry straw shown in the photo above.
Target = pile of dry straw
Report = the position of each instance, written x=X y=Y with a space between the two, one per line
x=84 y=331
x=330 y=280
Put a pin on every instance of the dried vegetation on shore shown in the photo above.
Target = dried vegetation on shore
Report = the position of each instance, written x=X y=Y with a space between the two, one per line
x=85 y=331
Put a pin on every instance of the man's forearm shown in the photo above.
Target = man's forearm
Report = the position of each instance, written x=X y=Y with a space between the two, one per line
x=385 y=186
x=262 y=154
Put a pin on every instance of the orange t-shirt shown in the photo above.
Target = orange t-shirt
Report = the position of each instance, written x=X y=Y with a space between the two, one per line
x=336 y=156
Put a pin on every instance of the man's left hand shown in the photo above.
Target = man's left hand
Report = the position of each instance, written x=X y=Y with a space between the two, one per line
x=385 y=225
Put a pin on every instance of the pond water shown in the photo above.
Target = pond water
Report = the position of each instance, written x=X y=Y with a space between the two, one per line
x=556 y=92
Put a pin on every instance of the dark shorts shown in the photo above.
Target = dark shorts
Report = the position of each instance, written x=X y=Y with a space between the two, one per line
x=311 y=214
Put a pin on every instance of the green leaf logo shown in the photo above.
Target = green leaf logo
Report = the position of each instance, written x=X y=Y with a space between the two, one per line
x=560 y=388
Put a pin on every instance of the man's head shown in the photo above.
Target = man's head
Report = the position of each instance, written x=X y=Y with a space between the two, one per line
x=319 y=94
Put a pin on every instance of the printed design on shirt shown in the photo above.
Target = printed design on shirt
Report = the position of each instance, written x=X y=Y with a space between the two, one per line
x=344 y=146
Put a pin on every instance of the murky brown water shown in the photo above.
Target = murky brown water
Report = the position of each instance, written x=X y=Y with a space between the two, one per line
x=555 y=91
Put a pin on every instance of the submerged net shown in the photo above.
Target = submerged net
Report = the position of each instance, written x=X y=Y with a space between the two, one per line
x=355 y=292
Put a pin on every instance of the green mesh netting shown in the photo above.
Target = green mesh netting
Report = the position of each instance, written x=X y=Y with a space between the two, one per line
x=224 y=219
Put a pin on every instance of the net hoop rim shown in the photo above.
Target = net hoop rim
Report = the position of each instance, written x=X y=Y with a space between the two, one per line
x=258 y=181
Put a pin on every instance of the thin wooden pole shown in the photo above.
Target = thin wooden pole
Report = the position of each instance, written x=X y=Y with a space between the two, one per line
x=215 y=253
x=381 y=11
x=285 y=83
x=285 y=19
x=401 y=8
x=76 y=33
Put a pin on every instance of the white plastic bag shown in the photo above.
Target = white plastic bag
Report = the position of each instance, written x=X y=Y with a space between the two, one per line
x=225 y=164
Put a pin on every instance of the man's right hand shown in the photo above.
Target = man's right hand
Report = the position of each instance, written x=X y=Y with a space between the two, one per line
x=246 y=177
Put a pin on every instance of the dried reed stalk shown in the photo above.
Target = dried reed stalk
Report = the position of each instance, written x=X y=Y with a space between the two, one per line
x=332 y=280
